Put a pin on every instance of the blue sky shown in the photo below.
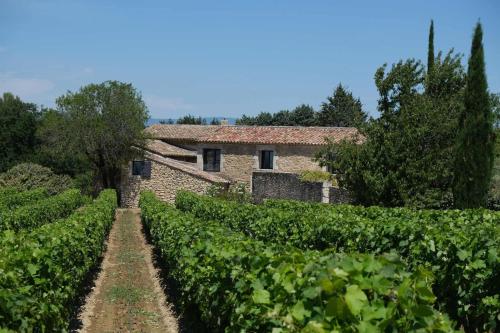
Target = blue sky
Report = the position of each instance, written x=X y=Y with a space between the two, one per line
x=228 y=58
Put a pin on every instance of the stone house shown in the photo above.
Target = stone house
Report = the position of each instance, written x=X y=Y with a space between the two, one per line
x=194 y=157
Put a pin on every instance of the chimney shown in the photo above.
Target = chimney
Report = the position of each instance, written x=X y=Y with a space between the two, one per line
x=224 y=122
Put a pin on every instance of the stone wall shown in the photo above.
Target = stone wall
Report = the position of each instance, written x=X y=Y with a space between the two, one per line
x=279 y=185
x=167 y=177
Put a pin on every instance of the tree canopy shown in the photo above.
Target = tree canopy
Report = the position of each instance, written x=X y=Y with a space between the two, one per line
x=17 y=130
x=104 y=122
x=407 y=157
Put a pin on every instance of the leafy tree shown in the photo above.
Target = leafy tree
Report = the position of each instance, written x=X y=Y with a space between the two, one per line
x=475 y=150
x=105 y=122
x=342 y=110
x=52 y=145
x=302 y=115
x=215 y=121
x=191 y=120
x=407 y=154
x=17 y=130
x=495 y=109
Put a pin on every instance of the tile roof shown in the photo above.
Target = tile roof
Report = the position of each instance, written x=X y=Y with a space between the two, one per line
x=165 y=149
x=292 y=135
x=189 y=168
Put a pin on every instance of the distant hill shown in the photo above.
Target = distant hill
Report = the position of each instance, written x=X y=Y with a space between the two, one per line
x=153 y=121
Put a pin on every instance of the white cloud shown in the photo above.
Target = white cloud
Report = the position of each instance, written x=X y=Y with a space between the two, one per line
x=25 y=87
x=164 y=106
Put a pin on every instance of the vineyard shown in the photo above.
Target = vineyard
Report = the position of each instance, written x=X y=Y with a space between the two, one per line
x=281 y=266
x=48 y=244
x=291 y=266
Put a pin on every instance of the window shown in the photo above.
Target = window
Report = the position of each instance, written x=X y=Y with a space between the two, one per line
x=137 y=168
x=266 y=159
x=211 y=159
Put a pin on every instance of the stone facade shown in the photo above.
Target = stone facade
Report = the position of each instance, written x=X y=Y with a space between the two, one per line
x=166 y=178
x=239 y=161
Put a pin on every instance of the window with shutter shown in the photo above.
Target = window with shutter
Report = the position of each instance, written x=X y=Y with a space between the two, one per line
x=267 y=159
x=211 y=160
x=137 y=167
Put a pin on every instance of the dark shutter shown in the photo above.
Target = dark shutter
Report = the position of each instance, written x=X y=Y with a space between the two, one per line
x=146 y=171
x=211 y=159
x=266 y=159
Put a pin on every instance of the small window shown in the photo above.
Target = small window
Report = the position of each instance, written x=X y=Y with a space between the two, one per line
x=266 y=159
x=211 y=160
x=137 y=168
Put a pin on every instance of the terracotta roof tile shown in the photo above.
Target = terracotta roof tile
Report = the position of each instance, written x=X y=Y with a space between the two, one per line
x=292 y=135
x=165 y=149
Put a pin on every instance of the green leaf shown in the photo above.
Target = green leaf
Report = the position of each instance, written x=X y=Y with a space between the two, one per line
x=298 y=311
x=261 y=296
x=355 y=299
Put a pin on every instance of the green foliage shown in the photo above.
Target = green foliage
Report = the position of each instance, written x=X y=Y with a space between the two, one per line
x=495 y=109
x=54 y=143
x=17 y=130
x=236 y=192
x=11 y=198
x=241 y=285
x=475 y=149
x=430 y=49
x=406 y=157
x=28 y=176
x=43 y=270
x=104 y=121
x=317 y=176
x=342 y=109
x=302 y=115
x=41 y=212
x=461 y=248
x=191 y=120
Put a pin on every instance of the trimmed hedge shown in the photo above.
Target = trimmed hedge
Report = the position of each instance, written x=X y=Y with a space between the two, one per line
x=42 y=212
x=461 y=248
x=42 y=271
x=243 y=285
x=11 y=198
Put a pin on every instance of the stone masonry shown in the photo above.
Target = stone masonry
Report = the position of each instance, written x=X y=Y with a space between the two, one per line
x=167 y=177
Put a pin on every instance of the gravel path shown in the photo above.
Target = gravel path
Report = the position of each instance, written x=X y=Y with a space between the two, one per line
x=127 y=296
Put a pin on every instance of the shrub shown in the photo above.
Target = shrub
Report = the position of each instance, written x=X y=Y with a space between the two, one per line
x=27 y=176
x=11 y=198
x=43 y=270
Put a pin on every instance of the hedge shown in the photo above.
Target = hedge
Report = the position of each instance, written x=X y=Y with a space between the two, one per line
x=11 y=198
x=42 y=212
x=43 y=270
x=461 y=248
x=240 y=284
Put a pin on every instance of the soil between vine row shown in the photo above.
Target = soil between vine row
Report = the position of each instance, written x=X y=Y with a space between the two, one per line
x=127 y=296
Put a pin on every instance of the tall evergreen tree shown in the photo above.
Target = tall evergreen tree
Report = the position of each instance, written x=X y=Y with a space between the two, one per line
x=342 y=110
x=430 y=50
x=475 y=146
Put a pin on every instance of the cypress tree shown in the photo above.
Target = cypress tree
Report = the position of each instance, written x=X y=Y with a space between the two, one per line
x=474 y=154
x=430 y=50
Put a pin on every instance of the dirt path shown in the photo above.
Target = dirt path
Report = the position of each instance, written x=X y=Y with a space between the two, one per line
x=127 y=296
